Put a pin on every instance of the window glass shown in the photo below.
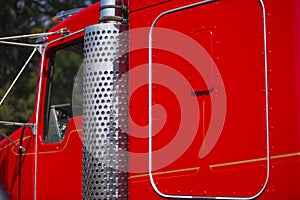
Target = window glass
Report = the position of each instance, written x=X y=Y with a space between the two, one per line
x=64 y=66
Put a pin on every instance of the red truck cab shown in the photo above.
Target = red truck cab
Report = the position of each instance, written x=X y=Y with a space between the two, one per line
x=212 y=108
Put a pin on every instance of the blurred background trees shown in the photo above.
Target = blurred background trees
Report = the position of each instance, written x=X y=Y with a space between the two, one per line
x=23 y=17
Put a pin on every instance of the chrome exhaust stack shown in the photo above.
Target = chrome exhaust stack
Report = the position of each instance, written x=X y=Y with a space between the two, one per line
x=105 y=105
x=113 y=11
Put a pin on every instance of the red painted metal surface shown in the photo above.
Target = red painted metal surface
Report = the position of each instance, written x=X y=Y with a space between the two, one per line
x=232 y=33
x=58 y=174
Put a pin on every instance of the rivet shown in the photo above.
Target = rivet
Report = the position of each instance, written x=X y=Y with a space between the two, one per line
x=217 y=43
x=269 y=14
x=269 y=33
x=217 y=58
x=272 y=147
x=204 y=192
x=273 y=190
x=272 y=167
x=269 y=51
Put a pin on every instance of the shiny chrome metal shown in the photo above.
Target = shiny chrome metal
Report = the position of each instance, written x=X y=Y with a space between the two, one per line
x=18 y=44
x=8 y=40
x=37 y=116
x=113 y=11
x=35 y=35
x=8 y=123
x=108 y=11
x=150 y=130
x=105 y=112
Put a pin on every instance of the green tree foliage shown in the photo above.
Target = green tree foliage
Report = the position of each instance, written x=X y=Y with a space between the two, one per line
x=67 y=63
x=23 y=17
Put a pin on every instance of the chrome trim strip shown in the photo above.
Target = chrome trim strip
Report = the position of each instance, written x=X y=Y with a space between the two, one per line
x=18 y=44
x=150 y=109
x=34 y=35
x=37 y=120
x=64 y=37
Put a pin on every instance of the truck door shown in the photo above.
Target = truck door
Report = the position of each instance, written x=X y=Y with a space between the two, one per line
x=59 y=152
x=227 y=155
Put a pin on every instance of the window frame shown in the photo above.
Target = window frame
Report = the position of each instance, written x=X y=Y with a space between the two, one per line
x=49 y=84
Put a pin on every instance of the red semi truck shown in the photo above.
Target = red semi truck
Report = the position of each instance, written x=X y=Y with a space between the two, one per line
x=168 y=99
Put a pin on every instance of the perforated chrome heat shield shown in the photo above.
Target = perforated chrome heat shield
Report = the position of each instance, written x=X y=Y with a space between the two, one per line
x=105 y=111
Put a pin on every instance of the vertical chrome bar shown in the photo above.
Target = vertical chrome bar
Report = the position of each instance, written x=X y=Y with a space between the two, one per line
x=37 y=115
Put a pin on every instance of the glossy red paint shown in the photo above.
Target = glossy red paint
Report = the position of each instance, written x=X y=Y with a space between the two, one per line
x=58 y=172
x=232 y=32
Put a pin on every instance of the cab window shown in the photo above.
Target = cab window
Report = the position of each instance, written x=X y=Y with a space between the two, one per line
x=64 y=66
